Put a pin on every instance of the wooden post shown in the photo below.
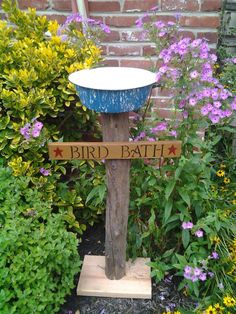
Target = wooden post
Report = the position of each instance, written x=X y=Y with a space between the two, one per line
x=116 y=128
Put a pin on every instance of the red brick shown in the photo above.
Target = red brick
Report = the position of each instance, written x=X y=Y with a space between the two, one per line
x=120 y=50
x=132 y=36
x=62 y=5
x=210 y=37
x=103 y=6
x=189 y=34
x=149 y=51
x=104 y=49
x=59 y=17
x=164 y=92
x=200 y=21
x=211 y=5
x=121 y=21
x=144 y=64
x=166 y=18
x=38 y=4
x=111 y=63
x=162 y=103
x=112 y=36
x=139 y=5
x=180 y=5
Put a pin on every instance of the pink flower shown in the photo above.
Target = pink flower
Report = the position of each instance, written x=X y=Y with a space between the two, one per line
x=194 y=74
x=199 y=233
x=173 y=133
x=187 y=225
x=151 y=139
x=25 y=131
x=214 y=255
x=192 y=101
x=159 y=24
x=214 y=118
x=204 y=111
x=162 y=34
x=45 y=172
x=202 y=276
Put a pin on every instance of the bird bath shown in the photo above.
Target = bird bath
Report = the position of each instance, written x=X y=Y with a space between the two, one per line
x=114 y=92
x=113 y=89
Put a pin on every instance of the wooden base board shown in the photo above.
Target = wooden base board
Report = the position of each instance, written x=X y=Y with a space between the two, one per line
x=135 y=284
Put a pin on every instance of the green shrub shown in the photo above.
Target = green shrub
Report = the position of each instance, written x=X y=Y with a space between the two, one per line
x=38 y=256
x=34 y=84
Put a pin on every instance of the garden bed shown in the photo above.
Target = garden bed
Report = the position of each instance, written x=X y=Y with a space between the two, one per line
x=164 y=295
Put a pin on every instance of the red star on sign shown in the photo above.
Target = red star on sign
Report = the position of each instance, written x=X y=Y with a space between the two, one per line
x=58 y=152
x=172 y=150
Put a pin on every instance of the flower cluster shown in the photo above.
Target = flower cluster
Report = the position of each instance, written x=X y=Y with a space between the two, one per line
x=187 y=66
x=32 y=129
x=90 y=27
x=194 y=273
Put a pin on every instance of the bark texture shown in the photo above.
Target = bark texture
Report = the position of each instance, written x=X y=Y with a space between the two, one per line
x=116 y=129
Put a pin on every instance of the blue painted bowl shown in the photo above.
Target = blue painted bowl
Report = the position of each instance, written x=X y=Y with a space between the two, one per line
x=113 y=89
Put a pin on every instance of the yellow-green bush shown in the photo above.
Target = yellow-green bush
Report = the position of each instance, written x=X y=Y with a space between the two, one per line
x=35 y=61
x=34 y=69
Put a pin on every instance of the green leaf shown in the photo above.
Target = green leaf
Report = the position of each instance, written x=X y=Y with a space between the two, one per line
x=168 y=208
x=182 y=260
x=169 y=189
x=185 y=237
x=184 y=195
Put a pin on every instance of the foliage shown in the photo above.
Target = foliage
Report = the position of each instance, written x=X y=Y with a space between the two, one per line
x=38 y=104
x=34 y=84
x=38 y=256
x=179 y=215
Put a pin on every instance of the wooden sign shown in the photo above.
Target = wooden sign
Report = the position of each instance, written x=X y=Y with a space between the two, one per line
x=114 y=150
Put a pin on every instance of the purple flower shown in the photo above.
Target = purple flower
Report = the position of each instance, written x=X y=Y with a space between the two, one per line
x=192 y=101
x=45 y=172
x=195 y=43
x=139 y=22
x=194 y=74
x=105 y=28
x=214 y=118
x=224 y=94
x=170 y=23
x=159 y=24
x=214 y=255
x=217 y=104
x=211 y=274
x=25 y=131
x=163 y=69
x=204 y=111
x=160 y=127
x=199 y=233
x=162 y=34
x=36 y=128
x=203 y=55
x=197 y=271
x=187 y=225
x=173 y=133
x=233 y=105
x=74 y=18
x=151 y=139
x=185 y=114
x=202 y=276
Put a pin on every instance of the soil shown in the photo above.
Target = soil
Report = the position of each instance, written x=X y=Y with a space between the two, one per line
x=165 y=296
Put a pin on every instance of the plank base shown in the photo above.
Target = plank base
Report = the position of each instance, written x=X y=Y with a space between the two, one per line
x=135 y=284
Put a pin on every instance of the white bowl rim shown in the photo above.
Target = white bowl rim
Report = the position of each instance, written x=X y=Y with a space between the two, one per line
x=113 y=78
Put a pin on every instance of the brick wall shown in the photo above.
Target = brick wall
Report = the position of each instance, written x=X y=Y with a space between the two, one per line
x=123 y=46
